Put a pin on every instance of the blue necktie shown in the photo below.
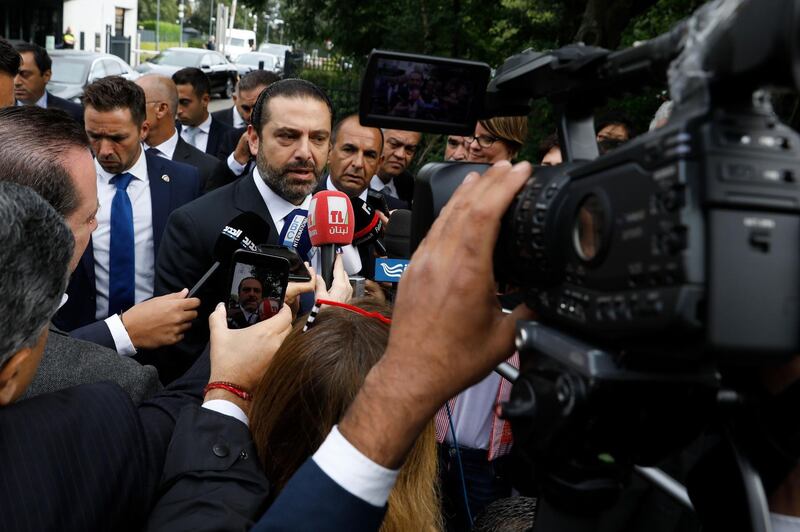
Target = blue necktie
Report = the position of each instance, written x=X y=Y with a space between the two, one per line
x=295 y=233
x=121 y=264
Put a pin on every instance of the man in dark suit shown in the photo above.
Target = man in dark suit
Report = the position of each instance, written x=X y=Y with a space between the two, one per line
x=137 y=191
x=346 y=483
x=292 y=147
x=235 y=149
x=393 y=178
x=199 y=128
x=49 y=152
x=162 y=137
x=32 y=78
x=86 y=458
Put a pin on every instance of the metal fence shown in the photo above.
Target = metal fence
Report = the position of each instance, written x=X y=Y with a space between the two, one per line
x=336 y=76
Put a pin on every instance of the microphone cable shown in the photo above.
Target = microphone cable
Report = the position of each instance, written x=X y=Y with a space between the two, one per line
x=460 y=466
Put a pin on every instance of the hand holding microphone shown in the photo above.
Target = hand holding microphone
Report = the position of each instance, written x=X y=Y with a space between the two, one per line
x=330 y=224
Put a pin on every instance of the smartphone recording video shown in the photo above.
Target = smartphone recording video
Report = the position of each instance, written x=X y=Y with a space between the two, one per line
x=257 y=288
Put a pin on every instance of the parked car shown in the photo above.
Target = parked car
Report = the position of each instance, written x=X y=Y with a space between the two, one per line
x=222 y=74
x=278 y=50
x=238 y=42
x=250 y=61
x=74 y=69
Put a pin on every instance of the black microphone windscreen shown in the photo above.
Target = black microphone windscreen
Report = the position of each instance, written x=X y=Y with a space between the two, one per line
x=397 y=237
x=246 y=231
x=368 y=226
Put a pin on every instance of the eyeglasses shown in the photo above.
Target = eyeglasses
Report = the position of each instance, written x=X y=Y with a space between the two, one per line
x=484 y=141
x=312 y=316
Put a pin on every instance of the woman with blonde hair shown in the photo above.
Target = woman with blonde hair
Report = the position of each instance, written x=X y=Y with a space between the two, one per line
x=309 y=385
x=497 y=138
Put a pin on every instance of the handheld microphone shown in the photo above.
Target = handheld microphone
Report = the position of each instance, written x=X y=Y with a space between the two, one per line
x=398 y=235
x=246 y=231
x=330 y=224
x=368 y=226
x=398 y=248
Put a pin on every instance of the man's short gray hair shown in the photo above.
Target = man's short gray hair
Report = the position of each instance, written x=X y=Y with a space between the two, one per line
x=34 y=266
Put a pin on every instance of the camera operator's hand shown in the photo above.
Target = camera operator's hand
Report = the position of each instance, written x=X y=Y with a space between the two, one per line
x=241 y=356
x=448 y=330
x=374 y=290
x=341 y=290
x=161 y=320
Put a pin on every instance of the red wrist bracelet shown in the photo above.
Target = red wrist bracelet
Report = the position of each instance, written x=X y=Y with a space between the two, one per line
x=228 y=387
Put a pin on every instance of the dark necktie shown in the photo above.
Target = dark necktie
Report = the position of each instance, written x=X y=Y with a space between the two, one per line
x=295 y=233
x=122 y=267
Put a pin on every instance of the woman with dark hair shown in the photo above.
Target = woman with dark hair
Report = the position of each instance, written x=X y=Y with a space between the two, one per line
x=497 y=139
x=309 y=385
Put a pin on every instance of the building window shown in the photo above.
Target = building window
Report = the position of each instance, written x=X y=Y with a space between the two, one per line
x=119 y=21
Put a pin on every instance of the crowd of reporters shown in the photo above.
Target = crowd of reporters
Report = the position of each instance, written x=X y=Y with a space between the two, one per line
x=127 y=404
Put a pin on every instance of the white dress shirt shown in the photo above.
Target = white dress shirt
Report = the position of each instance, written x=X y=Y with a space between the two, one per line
x=122 y=342
x=200 y=134
x=279 y=209
x=388 y=188
x=238 y=121
x=167 y=148
x=144 y=253
x=41 y=102
x=353 y=471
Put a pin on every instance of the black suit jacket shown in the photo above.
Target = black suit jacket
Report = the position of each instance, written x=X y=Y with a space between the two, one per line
x=216 y=136
x=165 y=196
x=86 y=458
x=226 y=148
x=224 y=115
x=187 y=253
x=404 y=183
x=211 y=169
x=72 y=109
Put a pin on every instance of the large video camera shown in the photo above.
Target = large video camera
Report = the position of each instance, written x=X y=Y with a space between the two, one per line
x=653 y=268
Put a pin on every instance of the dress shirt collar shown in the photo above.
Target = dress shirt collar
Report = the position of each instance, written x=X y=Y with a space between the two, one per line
x=331 y=186
x=278 y=207
x=378 y=184
x=167 y=148
x=138 y=170
x=41 y=102
x=205 y=126
x=238 y=121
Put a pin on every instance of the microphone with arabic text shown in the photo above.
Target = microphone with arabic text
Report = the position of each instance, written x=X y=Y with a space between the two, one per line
x=368 y=226
x=246 y=231
x=330 y=224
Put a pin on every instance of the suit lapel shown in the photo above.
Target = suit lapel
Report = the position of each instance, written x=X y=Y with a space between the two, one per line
x=213 y=138
x=181 y=151
x=160 y=196
x=247 y=198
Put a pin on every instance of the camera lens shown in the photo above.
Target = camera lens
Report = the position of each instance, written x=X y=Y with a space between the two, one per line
x=589 y=227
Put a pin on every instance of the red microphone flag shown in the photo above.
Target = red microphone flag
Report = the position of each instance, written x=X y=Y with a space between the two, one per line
x=331 y=219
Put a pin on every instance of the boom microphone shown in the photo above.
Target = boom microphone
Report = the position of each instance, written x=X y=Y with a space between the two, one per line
x=246 y=231
x=330 y=224
x=368 y=226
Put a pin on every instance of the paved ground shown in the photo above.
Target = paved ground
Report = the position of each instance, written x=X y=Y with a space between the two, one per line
x=218 y=103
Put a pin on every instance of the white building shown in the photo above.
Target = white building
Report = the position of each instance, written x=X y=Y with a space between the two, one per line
x=98 y=25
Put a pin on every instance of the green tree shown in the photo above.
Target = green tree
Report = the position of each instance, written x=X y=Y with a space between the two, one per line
x=169 y=10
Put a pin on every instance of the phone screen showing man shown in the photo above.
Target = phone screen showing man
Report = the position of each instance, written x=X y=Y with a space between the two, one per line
x=256 y=291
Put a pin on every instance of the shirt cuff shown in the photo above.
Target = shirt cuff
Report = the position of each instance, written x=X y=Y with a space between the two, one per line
x=353 y=471
x=234 y=165
x=122 y=341
x=227 y=408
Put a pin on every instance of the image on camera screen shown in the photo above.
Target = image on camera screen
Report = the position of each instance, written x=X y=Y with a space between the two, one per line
x=256 y=294
x=422 y=91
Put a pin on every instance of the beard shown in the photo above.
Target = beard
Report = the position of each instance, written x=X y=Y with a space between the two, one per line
x=282 y=184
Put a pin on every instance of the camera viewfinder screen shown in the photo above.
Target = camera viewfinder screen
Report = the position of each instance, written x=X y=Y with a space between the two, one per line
x=256 y=294
x=431 y=93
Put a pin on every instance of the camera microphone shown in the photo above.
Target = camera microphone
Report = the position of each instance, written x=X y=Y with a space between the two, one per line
x=246 y=231
x=330 y=224
x=397 y=237
x=368 y=226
